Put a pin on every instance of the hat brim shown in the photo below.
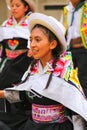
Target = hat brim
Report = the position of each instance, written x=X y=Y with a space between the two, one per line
x=52 y=24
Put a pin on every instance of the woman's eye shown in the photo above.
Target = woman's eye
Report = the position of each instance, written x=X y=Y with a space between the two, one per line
x=17 y=5
x=38 y=40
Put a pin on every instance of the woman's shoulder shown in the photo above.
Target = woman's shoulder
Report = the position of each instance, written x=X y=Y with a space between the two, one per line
x=8 y=21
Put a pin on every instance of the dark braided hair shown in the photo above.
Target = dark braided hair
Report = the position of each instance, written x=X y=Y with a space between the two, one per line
x=32 y=65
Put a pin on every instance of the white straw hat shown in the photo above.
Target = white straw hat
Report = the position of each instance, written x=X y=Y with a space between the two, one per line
x=30 y=3
x=52 y=24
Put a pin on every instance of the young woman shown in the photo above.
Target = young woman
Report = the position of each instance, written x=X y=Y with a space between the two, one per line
x=50 y=83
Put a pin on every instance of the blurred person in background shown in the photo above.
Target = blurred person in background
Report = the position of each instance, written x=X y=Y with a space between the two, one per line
x=14 y=41
x=15 y=58
x=75 y=22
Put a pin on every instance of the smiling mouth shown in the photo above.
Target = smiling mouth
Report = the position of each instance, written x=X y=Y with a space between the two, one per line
x=34 y=51
x=14 y=12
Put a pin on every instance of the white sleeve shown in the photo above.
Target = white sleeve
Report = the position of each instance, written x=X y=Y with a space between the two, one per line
x=78 y=122
x=12 y=96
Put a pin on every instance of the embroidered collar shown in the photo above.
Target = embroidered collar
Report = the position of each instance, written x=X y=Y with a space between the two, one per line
x=39 y=69
x=60 y=69
x=12 y=22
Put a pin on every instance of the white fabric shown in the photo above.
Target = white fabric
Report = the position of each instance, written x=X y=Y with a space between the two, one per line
x=61 y=91
x=12 y=32
x=78 y=122
x=10 y=95
x=9 y=32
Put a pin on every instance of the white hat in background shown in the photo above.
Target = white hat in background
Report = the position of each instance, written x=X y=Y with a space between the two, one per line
x=52 y=24
x=31 y=5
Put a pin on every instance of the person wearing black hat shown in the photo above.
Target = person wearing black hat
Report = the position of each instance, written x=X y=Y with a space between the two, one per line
x=50 y=84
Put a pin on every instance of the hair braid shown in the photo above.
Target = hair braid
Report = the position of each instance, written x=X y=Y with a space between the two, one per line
x=32 y=65
x=53 y=66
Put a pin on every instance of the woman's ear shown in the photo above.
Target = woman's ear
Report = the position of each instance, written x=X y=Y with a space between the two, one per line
x=26 y=9
x=53 y=44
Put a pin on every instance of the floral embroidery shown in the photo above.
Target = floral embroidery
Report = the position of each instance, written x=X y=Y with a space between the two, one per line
x=13 y=44
x=35 y=69
x=74 y=79
x=10 y=22
x=64 y=69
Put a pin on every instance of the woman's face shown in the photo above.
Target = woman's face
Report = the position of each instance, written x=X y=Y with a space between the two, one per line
x=18 y=9
x=40 y=45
